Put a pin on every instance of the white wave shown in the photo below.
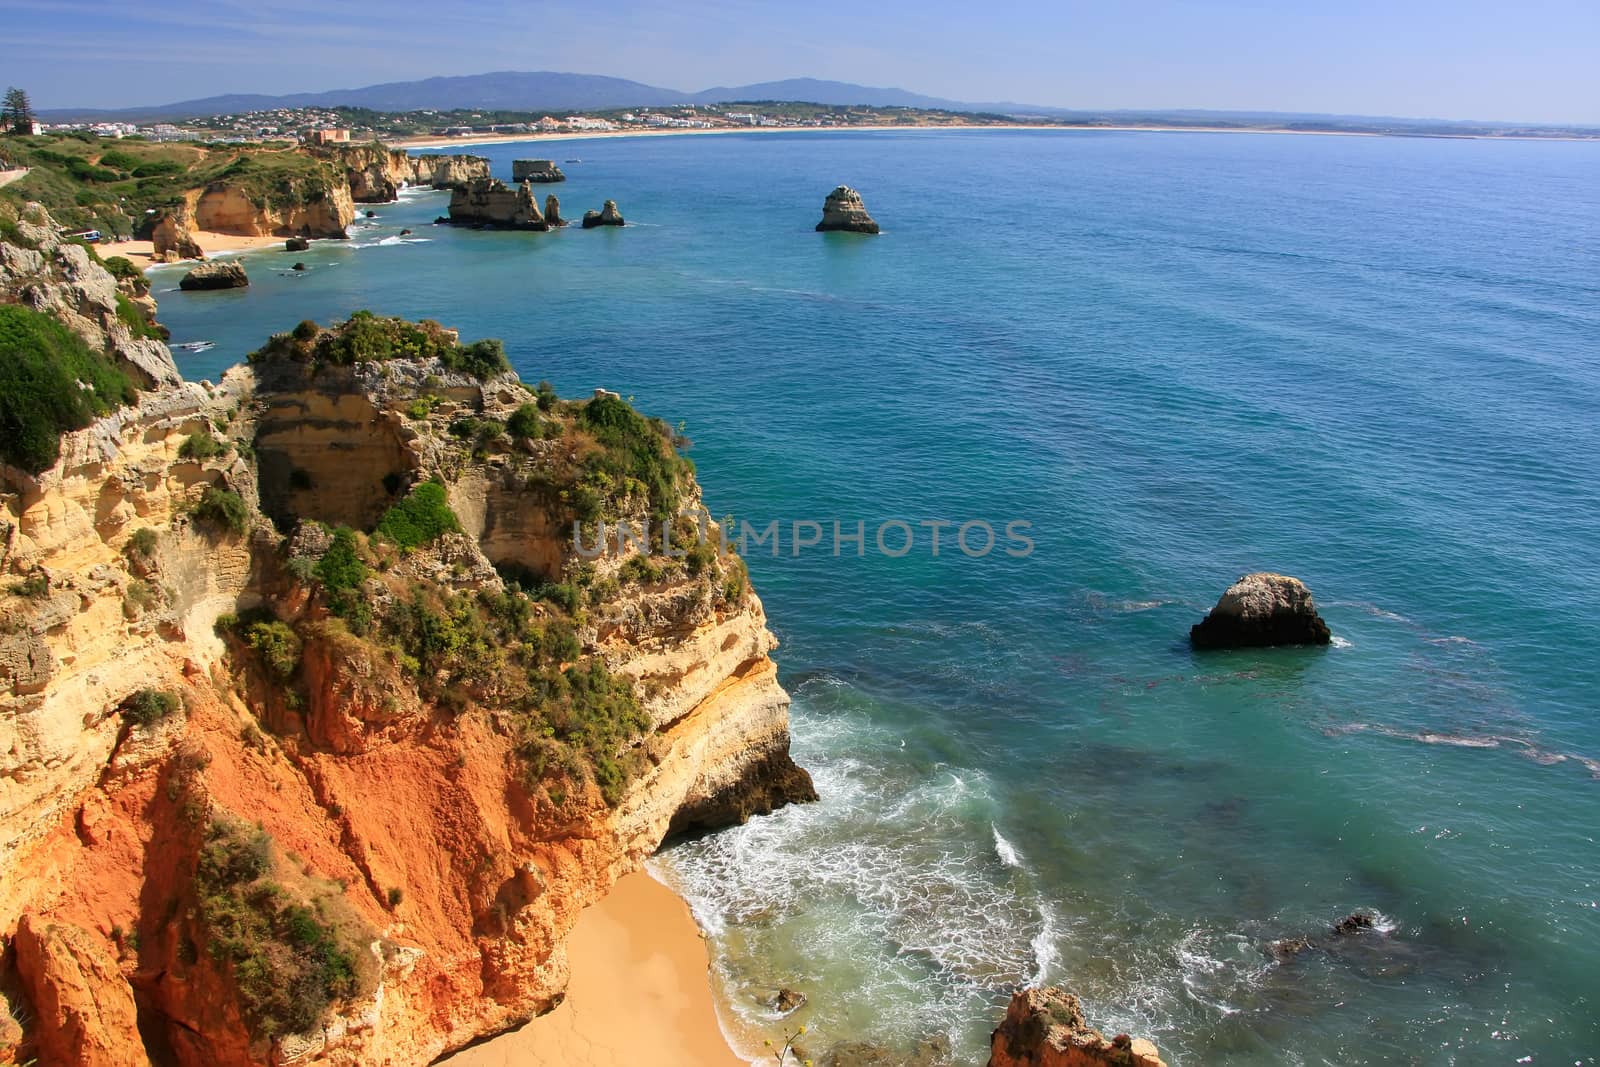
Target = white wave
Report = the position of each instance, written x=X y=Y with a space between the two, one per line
x=1044 y=945
x=1005 y=849
x=1340 y=642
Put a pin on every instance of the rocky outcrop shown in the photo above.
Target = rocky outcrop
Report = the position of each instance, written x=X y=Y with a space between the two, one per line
x=447 y=172
x=552 y=212
x=1357 y=922
x=296 y=244
x=606 y=216
x=422 y=823
x=171 y=241
x=1262 y=610
x=843 y=210
x=228 y=274
x=489 y=202
x=539 y=171
x=1046 y=1028
x=84 y=1007
x=324 y=210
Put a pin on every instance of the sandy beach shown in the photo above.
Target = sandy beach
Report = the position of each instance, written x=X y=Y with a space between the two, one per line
x=140 y=252
x=639 y=993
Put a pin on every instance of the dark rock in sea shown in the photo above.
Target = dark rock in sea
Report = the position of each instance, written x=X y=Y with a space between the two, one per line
x=844 y=211
x=491 y=202
x=1288 y=948
x=929 y=1052
x=442 y=220
x=1046 y=1028
x=224 y=275
x=543 y=171
x=785 y=1001
x=606 y=216
x=405 y=233
x=552 y=212
x=372 y=214
x=298 y=266
x=1262 y=610
x=1354 y=923
x=296 y=244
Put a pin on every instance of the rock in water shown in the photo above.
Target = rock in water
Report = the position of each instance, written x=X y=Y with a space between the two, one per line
x=296 y=244
x=552 y=212
x=606 y=216
x=490 y=202
x=536 y=170
x=843 y=210
x=228 y=275
x=1261 y=610
x=1046 y=1028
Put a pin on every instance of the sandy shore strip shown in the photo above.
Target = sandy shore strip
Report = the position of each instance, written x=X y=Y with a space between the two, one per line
x=640 y=993
x=140 y=252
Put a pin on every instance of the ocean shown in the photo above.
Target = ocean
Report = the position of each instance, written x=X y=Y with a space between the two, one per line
x=1373 y=363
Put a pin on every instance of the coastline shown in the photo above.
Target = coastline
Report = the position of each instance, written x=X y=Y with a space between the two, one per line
x=212 y=243
x=433 y=142
x=640 y=992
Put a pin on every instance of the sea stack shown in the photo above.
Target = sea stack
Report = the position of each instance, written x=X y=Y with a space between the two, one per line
x=227 y=275
x=296 y=244
x=552 y=212
x=606 y=216
x=1259 y=611
x=543 y=171
x=490 y=202
x=843 y=210
x=1046 y=1028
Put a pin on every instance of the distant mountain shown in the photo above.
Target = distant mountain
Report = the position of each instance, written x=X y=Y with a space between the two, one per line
x=518 y=91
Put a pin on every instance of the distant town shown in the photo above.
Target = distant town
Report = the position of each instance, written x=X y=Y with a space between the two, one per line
x=341 y=124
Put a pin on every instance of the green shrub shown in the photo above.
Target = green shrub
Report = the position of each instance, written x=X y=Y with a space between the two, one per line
x=149 y=706
x=201 y=446
x=636 y=449
x=141 y=596
x=525 y=424
x=288 y=963
x=35 y=586
x=342 y=574
x=546 y=394
x=223 y=508
x=142 y=542
x=122 y=268
x=278 y=646
x=396 y=895
x=130 y=316
x=50 y=383
x=369 y=338
x=481 y=359
x=419 y=519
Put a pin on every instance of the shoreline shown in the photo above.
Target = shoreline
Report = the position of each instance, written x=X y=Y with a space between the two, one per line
x=141 y=253
x=640 y=992
x=433 y=141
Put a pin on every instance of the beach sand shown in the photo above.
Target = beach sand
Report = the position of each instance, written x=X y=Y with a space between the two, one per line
x=139 y=252
x=640 y=993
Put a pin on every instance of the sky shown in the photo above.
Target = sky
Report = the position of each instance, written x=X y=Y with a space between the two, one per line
x=1533 y=61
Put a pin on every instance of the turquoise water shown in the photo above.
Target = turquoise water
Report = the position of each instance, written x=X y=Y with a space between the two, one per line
x=1372 y=363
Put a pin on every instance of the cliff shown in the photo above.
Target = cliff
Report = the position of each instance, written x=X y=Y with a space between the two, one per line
x=300 y=193
x=317 y=731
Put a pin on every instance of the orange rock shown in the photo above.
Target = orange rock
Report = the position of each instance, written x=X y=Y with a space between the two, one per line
x=85 y=1015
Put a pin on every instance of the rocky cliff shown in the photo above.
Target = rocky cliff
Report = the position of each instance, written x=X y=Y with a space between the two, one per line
x=317 y=729
x=491 y=202
x=376 y=174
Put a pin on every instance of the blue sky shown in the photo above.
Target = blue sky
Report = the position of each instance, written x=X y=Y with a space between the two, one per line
x=1537 y=60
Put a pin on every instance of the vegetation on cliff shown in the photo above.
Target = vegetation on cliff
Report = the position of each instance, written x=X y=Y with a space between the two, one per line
x=88 y=182
x=50 y=383
x=289 y=961
x=369 y=338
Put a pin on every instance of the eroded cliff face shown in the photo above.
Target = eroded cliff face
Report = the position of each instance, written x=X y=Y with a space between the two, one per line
x=377 y=174
x=222 y=756
x=1046 y=1028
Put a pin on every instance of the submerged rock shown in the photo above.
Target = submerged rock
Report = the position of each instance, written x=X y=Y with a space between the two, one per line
x=1046 y=1028
x=1354 y=923
x=785 y=1001
x=227 y=275
x=1262 y=610
x=606 y=216
x=843 y=210
x=298 y=266
x=296 y=244
x=543 y=171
